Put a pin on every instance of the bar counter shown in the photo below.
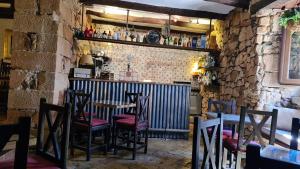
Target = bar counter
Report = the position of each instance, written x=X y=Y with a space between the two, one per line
x=169 y=103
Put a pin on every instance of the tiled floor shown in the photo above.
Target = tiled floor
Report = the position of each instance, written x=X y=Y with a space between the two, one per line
x=162 y=154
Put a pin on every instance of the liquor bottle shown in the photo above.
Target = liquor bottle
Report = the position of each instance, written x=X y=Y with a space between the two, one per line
x=189 y=43
x=91 y=32
x=198 y=42
x=86 y=32
x=109 y=35
x=194 y=42
x=180 y=40
x=175 y=42
x=104 y=35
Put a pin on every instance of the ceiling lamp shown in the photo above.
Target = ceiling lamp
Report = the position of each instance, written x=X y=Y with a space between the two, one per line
x=5 y=5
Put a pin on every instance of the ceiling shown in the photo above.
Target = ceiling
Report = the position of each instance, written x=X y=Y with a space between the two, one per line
x=199 y=5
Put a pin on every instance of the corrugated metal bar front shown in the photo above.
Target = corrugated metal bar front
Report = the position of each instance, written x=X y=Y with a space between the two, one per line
x=169 y=104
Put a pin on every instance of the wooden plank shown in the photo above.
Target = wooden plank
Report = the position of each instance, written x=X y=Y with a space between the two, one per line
x=259 y=5
x=236 y=3
x=157 y=9
x=212 y=51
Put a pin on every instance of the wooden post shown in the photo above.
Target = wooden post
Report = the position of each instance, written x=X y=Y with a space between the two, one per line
x=295 y=133
x=196 y=143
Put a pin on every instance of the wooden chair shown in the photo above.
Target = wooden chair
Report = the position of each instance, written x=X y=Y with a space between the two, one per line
x=85 y=122
x=295 y=133
x=212 y=142
x=22 y=129
x=226 y=107
x=134 y=126
x=52 y=138
x=238 y=146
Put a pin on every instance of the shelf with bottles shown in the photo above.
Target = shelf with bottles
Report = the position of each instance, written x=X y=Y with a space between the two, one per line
x=134 y=37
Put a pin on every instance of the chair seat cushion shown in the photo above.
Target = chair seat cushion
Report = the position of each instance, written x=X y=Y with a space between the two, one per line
x=231 y=145
x=123 y=116
x=95 y=122
x=33 y=162
x=226 y=133
x=130 y=122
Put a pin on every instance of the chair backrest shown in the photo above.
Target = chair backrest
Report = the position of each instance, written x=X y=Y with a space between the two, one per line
x=295 y=133
x=53 y=139
x=212 y=142
x=22 y=129
x=250 y=117
x=79 y=101
x=131 y=98
x=252 y=156
x=142 y=109
x=220 y=106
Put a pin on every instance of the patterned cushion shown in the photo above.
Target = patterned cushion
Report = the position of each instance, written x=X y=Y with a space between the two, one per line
x=130 y=122
x=95 y=122
x=33 y=162
x=123 y=116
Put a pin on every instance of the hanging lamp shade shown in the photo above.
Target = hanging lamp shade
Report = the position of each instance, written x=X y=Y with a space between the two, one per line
x=86 y=60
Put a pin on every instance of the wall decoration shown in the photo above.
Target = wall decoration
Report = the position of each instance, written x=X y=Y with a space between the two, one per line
x=290 y=56
x=7 y=45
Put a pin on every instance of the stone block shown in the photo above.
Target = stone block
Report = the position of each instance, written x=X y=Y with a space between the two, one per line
x=16 y=78
x=271 y=62
x=48 y=6
x=264 y=21
x=271 y=80
x=47 y=43
x=37 y=61
x=18 y=40
x=263 y=30
x=246 y=33
x=25 y=6
x=27 y=99
x=45 y=81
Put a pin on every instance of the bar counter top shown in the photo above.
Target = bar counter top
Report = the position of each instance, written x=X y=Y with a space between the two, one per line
x=122 y=81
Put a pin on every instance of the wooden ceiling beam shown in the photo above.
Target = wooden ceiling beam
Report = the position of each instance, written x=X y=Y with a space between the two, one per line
x=156 y=9
x=236 y=3
x=147 y=20
x=259 y=5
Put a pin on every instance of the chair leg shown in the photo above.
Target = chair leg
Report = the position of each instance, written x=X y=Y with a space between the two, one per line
x=238 y=160
x=72 y=142
x=128 y=139
x=224 y=160
x=106 y=140
x=134 y=145
x=146 y=141
x=115 y=141
x=88 y=151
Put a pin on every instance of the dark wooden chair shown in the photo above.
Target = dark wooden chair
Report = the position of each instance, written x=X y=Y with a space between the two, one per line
x=134 y=127
x=212 y=142
x=22 y=129
x=226 y=107
x=86 y=123
x=52 y=138
x=295 y=133
x=254 y=136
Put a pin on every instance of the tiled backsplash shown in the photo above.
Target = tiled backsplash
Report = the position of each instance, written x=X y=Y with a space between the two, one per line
x=155 y=64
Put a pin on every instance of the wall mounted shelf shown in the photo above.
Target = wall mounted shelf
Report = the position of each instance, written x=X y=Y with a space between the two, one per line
x=212 y=51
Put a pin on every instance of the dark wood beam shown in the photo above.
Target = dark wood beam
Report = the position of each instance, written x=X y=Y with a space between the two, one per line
x=7 y=13
x=236 y=3
x=157 y=9
x=259 y=5
x=147 y=20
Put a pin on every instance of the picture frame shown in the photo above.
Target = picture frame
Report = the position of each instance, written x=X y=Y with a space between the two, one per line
x=289 y=71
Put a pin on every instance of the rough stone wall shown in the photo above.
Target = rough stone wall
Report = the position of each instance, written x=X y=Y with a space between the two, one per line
x=42 y=41
x=269 y=34
x=238 y=61
x=156 y=64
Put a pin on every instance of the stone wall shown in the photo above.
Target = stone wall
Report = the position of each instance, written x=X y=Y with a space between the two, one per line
x=42 y=53
x=238 y=61
x=156 y=64
x=269 y=36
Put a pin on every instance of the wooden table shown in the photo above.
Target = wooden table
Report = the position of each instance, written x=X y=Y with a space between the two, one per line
x=229 y=118
x=113 y=105
x=279 y=158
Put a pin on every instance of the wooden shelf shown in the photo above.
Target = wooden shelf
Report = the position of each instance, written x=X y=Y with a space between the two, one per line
x=150 y=45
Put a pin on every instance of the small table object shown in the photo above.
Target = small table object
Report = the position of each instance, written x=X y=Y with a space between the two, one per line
x=113 y=105
x=279 y=158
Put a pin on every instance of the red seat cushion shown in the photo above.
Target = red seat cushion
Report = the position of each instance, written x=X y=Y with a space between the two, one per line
x=231 y=144
x=123 y=116
x=226 y=133
x=130 y=122
x=33 y=162
x=95 y=122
